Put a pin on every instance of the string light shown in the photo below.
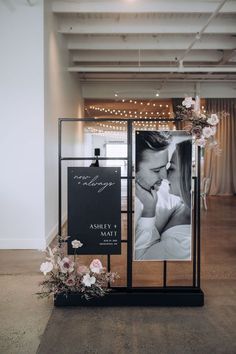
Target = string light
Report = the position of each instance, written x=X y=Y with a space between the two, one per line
x=131 y=113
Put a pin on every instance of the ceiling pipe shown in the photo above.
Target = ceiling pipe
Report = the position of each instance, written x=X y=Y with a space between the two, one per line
x=199 y=34
x=151 y=69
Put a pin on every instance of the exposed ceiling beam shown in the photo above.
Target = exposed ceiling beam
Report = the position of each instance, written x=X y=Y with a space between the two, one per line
x=130 y=90
x=163 y=42
x=120 y=77
x=142 y=55
x=104 y=80
x=150 y=25
x=227 y=56
x=147 y=6
x=229 y=69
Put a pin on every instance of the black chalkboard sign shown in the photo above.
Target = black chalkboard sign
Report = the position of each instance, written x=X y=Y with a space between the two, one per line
x=94 y=209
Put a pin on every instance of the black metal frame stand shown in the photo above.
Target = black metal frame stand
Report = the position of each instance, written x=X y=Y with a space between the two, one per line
x=164 y=295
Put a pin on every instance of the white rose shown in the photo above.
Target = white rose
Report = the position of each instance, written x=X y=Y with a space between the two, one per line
x=76 y=244
x=46 y=267
x=88 y=281
x=188 y=102
x=213 y=120
x=207 y=132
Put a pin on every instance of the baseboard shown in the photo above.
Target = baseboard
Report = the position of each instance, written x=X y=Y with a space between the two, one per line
x=54 y=231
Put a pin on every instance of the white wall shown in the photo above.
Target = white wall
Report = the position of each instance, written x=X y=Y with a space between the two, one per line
x=35 y=89
x=62 y=99
x=22 y=125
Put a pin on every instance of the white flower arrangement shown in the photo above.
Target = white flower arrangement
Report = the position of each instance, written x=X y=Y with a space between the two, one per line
x=88 y=280
x=64 y=275
x=46 y=267
x=188 y=102
x=76 y=244
x=202 y=125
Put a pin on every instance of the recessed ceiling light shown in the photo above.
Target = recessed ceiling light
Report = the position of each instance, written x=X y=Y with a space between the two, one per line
x=157 y=94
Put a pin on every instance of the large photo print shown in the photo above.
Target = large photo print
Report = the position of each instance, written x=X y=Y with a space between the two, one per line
x=163 y=208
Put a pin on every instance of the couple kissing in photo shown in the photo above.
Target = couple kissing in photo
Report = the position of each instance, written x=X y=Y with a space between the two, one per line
x=163 y=195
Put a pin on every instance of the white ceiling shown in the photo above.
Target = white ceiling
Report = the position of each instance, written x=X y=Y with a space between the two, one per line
x=157 y=40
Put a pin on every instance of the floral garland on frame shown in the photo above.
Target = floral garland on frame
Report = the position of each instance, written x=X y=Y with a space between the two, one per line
x=202 y=125
x=66 y=276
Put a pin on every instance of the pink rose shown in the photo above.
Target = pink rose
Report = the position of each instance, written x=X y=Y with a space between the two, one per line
x=96 y=266
x=66 y=265
x=70 y=281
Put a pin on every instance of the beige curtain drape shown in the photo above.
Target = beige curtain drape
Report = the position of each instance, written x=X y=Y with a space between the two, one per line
x=222 y=168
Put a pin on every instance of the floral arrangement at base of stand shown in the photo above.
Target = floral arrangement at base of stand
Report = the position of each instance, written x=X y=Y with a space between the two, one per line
x=201 y=125
x=65 y=275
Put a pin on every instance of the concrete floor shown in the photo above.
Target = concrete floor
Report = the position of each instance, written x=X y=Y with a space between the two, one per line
x=23 y=317
x=206 y=330
x=211 y=329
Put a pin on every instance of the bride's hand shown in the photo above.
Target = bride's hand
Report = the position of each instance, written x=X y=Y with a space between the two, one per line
x=148 y=199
